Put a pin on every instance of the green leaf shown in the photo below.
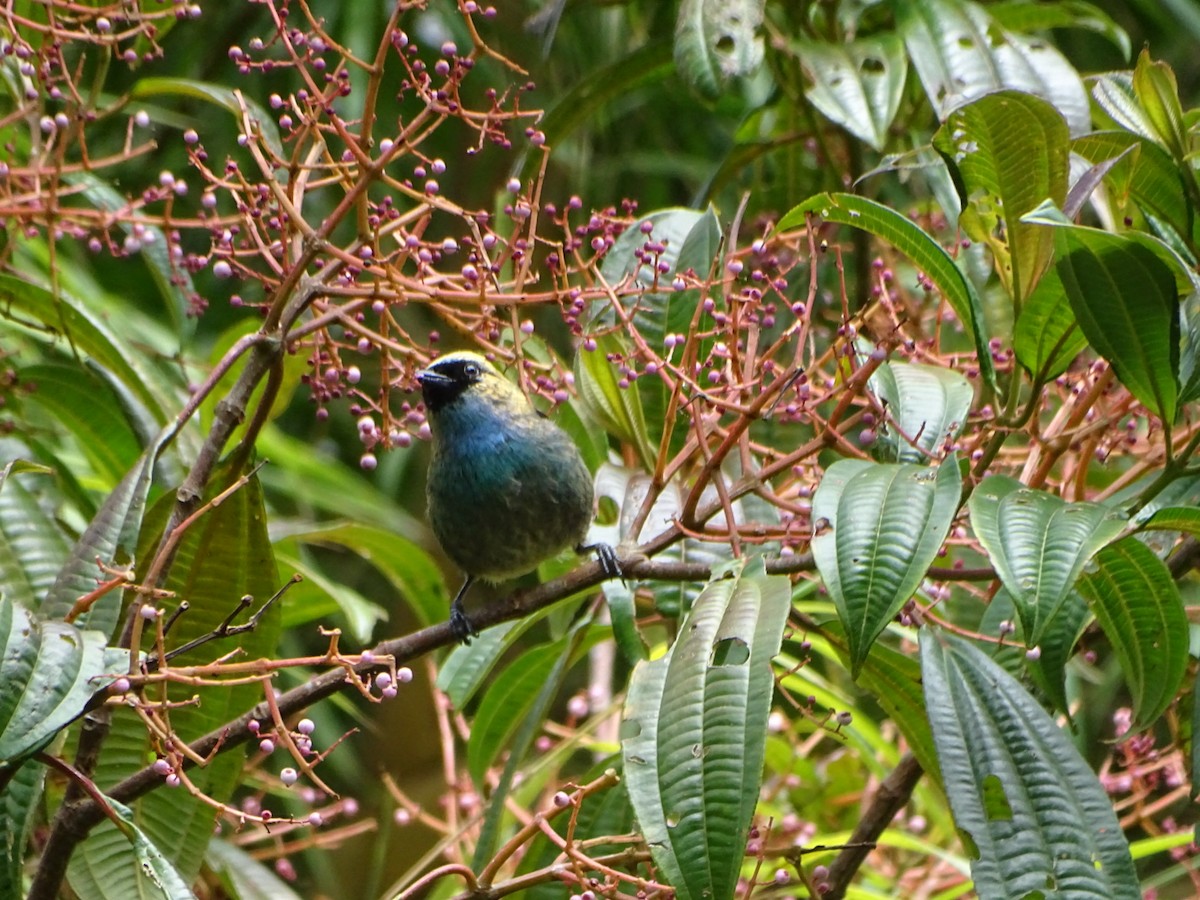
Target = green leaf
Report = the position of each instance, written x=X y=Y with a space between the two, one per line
x=48 y=672
x=404 y=564
x=1174 y=518
x=1037 y=818
x=694 y=732
x=32 y=546
x=1008 y=151
x=19 y=809
x=619 y=411
x=1155 y=87
x=1031 y=15
x=928 y=404
x=111 y=536
x=507 y=701
x=81 y=405
x=1144 y=180
x=1055 y=648
x=857 y=84
x=23 y=303
x=152 y=873
x=692 y=241
x=1038 y=544
x=909 y=239
x=716 y=40
x=1046 y=337
x=244 y=876
x=466 y=666
x=878 y=528
x=1125 y=299
x=960 y=54
x=1137 y=603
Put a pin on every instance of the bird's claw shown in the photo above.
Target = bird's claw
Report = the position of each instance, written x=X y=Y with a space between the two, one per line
x=610 y=563
x=461 y=627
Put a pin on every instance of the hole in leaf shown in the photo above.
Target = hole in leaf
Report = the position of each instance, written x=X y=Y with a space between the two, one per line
x=731 y=651
x=873 y=65
x=725 y=43
x=995 y=803
x=630 y=728
x=968 y=843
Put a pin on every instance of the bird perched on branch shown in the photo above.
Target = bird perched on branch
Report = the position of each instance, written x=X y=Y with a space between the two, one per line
x=507 y=487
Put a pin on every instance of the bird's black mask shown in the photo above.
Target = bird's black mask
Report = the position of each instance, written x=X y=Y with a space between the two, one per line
x=445 y=381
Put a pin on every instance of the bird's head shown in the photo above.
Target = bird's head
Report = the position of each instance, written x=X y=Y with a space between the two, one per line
x=450 y=378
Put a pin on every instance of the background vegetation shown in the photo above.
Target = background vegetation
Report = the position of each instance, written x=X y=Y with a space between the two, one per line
x=876 y=320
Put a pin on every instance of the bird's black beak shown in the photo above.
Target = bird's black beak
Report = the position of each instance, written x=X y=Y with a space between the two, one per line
x=438 y=389
x=428 y=378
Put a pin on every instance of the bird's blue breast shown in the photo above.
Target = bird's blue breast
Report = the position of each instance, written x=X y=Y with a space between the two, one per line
x=505 y=491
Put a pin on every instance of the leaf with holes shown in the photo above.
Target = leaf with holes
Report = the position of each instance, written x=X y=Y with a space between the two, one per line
x=716 y=40
x=1031 y=813
x=694 y=732
x=878 y=528
x=857 y=84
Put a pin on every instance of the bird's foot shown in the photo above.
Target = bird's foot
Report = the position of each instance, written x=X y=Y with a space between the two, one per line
x=460 y=625
x=610 y=563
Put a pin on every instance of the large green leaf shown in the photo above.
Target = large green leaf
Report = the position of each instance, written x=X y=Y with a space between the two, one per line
x=857 y=84
x=80 y=405
x=960 y=53
x=225 y=555
x=878 y=529
x=928 y=404
x=1008 y=151
x=48 y=672
x=716 y=40
x=19 y=809
x=1038 y=544
x=1033 y=816
x=922 y=249
x=694 y=732
x=1126 y=300
x=1137 y=603
x=111 y=537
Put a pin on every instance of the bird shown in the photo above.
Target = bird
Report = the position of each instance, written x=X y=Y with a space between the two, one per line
x=507 y=488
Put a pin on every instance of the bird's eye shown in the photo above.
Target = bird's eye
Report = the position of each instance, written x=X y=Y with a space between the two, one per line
x=471 y=370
